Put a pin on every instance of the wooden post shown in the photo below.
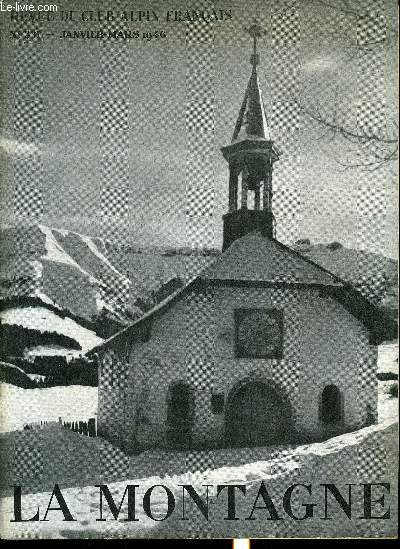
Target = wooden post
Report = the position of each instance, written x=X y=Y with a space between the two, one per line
x=233 y=184
x=92 y=427
x=244 y=189
x=267 y=194
x=257 y=198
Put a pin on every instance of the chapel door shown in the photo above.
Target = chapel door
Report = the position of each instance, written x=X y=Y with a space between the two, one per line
x=257 y=416
x=180 y=415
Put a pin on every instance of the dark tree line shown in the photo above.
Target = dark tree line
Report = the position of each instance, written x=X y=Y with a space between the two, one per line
x=14 y=339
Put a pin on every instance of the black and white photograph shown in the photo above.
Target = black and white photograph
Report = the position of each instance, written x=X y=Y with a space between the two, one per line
x=199 y=269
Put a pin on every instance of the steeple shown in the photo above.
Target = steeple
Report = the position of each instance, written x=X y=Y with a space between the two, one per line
x=250 y=155
x=252 y=122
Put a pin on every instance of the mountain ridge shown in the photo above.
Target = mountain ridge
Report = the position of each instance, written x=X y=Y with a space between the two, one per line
x=63 y=269
x=98 y=281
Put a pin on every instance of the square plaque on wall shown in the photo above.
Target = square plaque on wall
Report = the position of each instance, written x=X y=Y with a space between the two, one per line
x=259 y=333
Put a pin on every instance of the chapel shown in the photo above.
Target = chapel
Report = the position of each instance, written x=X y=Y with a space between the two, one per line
x=263 y=347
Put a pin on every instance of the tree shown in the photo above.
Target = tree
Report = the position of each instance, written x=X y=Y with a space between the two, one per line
x=369 y=146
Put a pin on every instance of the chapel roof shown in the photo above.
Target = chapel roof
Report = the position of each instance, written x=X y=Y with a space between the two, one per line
x=258 y=260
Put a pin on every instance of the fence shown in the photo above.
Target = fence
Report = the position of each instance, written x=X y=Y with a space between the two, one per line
x=87 y=428
x=34 y=426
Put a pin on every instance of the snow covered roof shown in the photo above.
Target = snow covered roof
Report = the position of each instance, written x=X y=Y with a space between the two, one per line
x=139 y=326
x=258 y=260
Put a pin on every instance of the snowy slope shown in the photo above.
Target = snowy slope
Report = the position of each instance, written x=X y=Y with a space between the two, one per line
x=15 y=376
x=373 y=275
x=64 y=269
x=82 y=274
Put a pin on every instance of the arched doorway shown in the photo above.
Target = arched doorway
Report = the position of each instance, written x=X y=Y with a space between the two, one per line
x=331 y=408
x=258 y=414
x=180 y=411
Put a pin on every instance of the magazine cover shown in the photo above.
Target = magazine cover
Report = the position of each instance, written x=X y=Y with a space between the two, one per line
x=198 y=269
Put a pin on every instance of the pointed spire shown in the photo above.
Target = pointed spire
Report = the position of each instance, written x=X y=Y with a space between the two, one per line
x=250 y=156
x=252 y=122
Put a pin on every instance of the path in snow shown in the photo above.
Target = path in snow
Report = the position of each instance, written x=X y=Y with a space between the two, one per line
x=339 y=460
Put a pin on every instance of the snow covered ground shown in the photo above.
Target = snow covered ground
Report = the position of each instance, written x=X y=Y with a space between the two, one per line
x=388 y=406
x=388 y=357
x=337 y=460
x=22 y=406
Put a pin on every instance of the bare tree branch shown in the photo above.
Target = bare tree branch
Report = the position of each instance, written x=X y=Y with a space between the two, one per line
x=369 y=145
x=349 y=133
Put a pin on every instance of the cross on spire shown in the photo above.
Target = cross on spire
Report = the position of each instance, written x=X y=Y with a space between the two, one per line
x=255 y=31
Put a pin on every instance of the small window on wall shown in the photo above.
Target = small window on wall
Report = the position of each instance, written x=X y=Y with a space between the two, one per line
x=331 y=405
x=217 y=403
x=259 y=333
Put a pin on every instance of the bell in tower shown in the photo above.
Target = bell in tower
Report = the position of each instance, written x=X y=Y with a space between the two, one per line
x=250 y=156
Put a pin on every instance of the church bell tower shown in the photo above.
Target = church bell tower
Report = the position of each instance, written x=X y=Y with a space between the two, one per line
x=250 y=157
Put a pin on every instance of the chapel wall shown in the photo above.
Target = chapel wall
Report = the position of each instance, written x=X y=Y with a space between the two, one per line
x=323 y=344
x=111 y=413
x=193 y=342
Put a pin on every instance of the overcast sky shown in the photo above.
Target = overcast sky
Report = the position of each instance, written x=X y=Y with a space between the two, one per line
x=156 y=163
